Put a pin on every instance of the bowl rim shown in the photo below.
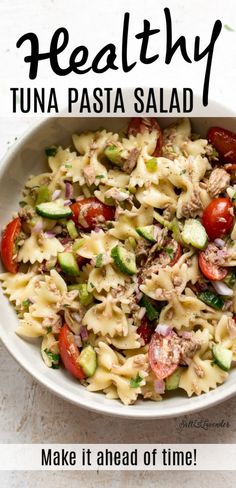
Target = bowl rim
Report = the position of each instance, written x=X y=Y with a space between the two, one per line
x=194 y=404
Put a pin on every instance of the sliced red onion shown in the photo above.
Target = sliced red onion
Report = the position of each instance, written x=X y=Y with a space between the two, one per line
x=159 y=386
x=56 y=194
x=222 y=288
x=83 y=333
x=186 y=334
x=67 y=203
x=219 y=242
x=163 y=329
x=49 y=234
x=69 y=190
x=156 y=232
x=38 y=227
x=227 y=305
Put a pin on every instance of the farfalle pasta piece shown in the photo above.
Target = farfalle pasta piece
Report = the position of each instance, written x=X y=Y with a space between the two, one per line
x=38 y=249
x=96 y=243
x=106 y=318
x=30 y=327
x=130 y=341
x=158 y=196
x=202 y=375
x=129 y=220
x=111 y=372
x=225 y=334
x=105 y=278
x=20 y=286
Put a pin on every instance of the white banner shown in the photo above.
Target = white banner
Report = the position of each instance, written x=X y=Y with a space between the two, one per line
x=105 y=457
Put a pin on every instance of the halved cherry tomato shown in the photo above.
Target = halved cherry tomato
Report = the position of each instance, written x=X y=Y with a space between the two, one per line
x=8 y=249
x=140 y=125
x=69 y=352
x=212 y=271
x=90 y=212
x=225 y=143
x=164 y=354
x=217 y=217
x=145 y=330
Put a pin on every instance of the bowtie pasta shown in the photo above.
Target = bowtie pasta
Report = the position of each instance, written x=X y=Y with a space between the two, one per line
x=122 y=259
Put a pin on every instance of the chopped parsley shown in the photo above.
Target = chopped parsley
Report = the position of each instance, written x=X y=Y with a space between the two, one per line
x=49 y=329
x=52 y=356
x=51 y=151
x=151 y=165
x=26 y=303
x=214 y=154
x=99 y=177
x=135 y=382
x=68 y=165
x=55 y=366
x=99 y=261
x=170 y=252
x=182 y=172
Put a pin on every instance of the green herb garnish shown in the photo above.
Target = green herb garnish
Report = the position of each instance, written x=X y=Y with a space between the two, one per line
x=99 y=261
x=52 y=356
x=170 y=252
x=26 y=303
x=99 y=177
x=151 y=165
x=135 y=382
x=51 y=151
x=49 y=329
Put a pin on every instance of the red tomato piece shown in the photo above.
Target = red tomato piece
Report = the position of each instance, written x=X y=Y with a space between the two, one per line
x=69 y=352
x=209 y=269
x=164 y=354
x=217 y=217
x=230 y=167
x=90 y=212
x=8 y=248
x=145 y=330
x=139 y=125
x=225 y=143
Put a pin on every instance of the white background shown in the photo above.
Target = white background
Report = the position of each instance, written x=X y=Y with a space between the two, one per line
x=28 y=412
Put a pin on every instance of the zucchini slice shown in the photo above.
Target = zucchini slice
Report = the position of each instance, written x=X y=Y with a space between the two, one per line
x=147 y=232
x=222 y=356
x=68 y=263
x=124 y=260
x=194 y=234
x=53 y=211
x=211 y=299
x=88 y=360
x=151 y=311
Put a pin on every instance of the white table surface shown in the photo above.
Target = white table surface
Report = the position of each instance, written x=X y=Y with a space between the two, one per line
x=30 y=413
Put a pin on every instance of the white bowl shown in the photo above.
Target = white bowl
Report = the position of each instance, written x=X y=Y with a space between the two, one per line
x=27 y=157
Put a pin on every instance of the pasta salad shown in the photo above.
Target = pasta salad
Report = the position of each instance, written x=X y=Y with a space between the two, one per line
x=122 y=259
